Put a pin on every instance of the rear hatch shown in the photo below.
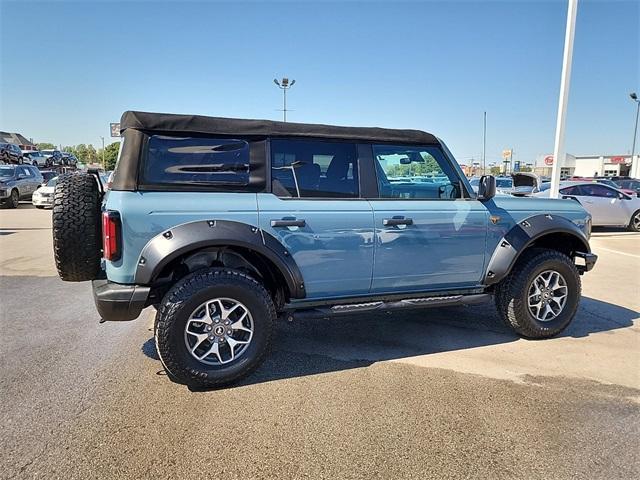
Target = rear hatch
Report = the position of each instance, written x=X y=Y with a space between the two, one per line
x=525 y=183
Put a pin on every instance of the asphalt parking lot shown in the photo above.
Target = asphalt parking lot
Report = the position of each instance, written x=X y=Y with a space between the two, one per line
x=446 y=393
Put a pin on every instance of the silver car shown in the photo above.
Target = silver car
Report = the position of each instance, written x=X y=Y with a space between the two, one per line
x=35 y=158
x=608 y=206
x=18 y=182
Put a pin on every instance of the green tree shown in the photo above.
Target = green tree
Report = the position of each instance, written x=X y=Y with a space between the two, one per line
x=495 y=171
x=45 y=146
x=110 y=155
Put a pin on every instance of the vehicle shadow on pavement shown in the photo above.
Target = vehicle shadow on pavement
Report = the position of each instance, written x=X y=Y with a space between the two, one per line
x=314 y=346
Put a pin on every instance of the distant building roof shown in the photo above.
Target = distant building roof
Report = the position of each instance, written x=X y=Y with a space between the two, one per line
x=14 y=138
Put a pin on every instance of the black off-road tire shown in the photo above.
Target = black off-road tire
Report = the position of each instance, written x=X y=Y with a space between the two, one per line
x=183 y=298
x=77 y=234
x=511 y=294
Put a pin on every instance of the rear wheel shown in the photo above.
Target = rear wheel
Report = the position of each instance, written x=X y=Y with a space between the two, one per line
x=540 y=296
x=76 y=227
x=634 y=223
x=214 y=327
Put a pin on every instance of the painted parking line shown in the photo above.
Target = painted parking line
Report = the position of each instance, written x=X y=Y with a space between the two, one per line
x=618 y=252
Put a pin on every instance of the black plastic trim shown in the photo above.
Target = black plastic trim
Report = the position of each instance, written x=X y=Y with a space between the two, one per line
x=117 y=302
x=523 y=234
x=171 y=244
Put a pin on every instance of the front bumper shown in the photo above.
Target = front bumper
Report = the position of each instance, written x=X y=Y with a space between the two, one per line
x=590 y=260
x=41 y=201
x=118 y=302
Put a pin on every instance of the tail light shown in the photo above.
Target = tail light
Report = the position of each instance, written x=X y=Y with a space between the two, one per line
x=111 y=229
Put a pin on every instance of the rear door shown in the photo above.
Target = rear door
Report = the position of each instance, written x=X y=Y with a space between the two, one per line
x=316 y=211
x=428 y=235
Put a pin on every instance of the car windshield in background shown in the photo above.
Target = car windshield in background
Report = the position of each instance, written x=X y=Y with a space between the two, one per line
x=52 y=182
x=504 y=183
x=475 y=182
x=7 y=171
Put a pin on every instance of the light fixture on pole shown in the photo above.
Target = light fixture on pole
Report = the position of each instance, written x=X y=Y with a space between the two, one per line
x=284 y=85
x=635 y=165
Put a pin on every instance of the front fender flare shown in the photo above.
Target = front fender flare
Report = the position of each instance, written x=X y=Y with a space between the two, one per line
x=187 y=237
x=521 y=236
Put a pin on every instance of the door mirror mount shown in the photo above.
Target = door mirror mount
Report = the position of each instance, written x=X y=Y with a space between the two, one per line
x=487 y=188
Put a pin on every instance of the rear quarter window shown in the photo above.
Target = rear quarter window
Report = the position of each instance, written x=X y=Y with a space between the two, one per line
x=196 y=161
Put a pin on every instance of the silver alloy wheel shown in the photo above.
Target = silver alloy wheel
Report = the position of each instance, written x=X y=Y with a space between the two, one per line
x=218 y=331
x=636 y=222
x=547 y=295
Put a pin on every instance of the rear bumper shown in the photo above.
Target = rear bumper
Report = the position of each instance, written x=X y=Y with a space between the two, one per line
x=590 y=260
x=117 y=302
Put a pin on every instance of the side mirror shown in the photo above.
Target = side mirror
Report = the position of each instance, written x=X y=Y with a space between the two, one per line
x=487 y=187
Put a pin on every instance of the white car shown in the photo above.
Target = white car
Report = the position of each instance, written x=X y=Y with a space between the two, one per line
x=43 y=197
x=608 y=206
x=35 y=158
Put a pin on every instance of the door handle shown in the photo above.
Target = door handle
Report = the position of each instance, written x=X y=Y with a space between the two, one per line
x=289 y=223
x=392 y=222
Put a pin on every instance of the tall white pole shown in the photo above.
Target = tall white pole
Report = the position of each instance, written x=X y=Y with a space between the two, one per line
x=558 y=149
x=484 y=145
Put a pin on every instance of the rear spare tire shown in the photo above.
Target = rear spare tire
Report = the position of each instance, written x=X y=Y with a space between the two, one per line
x=76 y=227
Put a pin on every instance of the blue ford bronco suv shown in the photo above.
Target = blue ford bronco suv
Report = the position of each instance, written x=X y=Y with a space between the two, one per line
x=224 y=225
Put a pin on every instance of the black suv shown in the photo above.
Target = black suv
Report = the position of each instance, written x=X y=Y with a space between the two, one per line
x=10 y=153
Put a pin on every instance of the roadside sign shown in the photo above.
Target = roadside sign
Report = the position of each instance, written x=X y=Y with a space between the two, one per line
x=506 y=154
x=115 y=129
x=548 y=160
x=617 y=160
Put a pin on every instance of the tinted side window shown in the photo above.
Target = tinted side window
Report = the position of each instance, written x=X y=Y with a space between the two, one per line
x=200 y=161
x=574 y=190
x=415 y=172
x=596 y=190
x=313 y=168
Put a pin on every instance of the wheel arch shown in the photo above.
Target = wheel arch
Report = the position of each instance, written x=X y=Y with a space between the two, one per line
x=224 y=243
x=539 y=231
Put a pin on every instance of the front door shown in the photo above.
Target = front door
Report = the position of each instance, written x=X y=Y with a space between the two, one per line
x=316 y=212
x=428 y=236
x=603 y=203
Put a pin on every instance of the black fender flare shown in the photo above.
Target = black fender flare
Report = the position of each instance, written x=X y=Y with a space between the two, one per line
x=187 y=237
x=521 y=236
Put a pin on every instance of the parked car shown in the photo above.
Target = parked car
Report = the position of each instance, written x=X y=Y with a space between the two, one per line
x=35 y=158
x=525 y=184
x=627 y=183
x=224 y=224
x=55 y=156
x=47 y=175
x=18 y=182
x=608 y=206
x=43 y=196
x=10 y=153
x=69 y=159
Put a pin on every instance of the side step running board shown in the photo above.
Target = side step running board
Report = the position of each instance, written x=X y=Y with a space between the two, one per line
x=382 y=306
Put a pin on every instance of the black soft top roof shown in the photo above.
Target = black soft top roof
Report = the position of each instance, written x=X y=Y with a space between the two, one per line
x=167 y=123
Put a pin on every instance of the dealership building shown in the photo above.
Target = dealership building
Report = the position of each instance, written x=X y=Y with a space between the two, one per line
x=591 y=165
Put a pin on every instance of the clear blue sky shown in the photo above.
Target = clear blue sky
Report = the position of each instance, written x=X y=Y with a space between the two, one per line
x=70 y=68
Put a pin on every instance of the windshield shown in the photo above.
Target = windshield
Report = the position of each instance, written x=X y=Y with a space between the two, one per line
x=52 y=182
x=504 y=183
x=7 y=171
x=474 y=182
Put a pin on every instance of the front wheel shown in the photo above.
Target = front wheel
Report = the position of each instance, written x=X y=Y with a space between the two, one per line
x=634 y=223
x=214 y=327
x=540 y=296
x=14 y=199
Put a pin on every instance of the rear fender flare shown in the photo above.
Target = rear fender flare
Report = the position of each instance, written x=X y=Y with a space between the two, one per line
x=521 y=236
x=190 y=237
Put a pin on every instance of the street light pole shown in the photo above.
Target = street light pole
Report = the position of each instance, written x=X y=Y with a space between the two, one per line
x=484 y=145
x=635 y=167
x=103 y=166
x=284 y=85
